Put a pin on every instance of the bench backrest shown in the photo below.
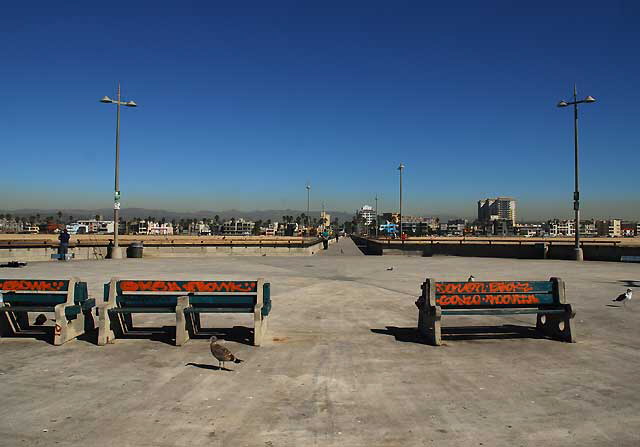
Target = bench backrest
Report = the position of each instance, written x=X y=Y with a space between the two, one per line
x=43 y=292
x=162 y=293
x=492 y=294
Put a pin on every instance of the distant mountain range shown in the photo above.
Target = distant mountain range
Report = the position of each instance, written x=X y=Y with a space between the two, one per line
x=143 y=213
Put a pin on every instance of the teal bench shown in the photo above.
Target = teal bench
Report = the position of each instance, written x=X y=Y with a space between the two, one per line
x=66 y=298
x=545 y=299
x=186 y=299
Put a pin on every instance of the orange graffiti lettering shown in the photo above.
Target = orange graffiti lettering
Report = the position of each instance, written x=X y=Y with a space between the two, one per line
x=27 y=284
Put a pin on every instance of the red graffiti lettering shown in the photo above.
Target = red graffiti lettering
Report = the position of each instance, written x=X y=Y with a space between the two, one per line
x=188 y=286
x=39 y=285
x=486 y=300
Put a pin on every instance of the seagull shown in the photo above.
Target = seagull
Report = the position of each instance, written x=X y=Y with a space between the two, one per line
x=471 y=278
x=624 y=297
x=221 y=353
x=390 y=268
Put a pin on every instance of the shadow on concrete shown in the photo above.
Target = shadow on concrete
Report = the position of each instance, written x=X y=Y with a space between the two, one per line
x=163 y=334
x=205 y=366
x=630 y=282
x=405 y=334
x=411 y=335
x=238 y=334
x=613 y=305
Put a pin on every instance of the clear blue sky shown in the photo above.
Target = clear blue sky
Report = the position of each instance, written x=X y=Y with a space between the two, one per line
x=240 y=106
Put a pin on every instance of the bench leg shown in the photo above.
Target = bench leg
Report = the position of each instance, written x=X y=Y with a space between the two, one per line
x=6 y=324
x=89 y=320
x=22 y=320
x=429 y=325
x=557 y=326
x=259 y=327
x=195 y=323
x=182 y=330
x=109 y=326
x=66 y=330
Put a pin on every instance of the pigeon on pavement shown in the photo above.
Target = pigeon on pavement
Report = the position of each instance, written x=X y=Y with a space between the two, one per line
x=221 y=353
x=624 y=297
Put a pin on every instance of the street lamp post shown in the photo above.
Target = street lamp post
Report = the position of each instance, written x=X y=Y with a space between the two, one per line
x=400 y=168
x=308 y=189
x=116 y=253
x=377 y=224
x=576 y=194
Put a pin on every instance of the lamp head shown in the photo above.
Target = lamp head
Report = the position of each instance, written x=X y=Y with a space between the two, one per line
x=589 y=99
x=106 y=99
x=562 y=104
x=131 y=104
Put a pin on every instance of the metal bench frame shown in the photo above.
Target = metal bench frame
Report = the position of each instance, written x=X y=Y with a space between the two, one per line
x=114 y=320
x=71 y=317
x=552 y=320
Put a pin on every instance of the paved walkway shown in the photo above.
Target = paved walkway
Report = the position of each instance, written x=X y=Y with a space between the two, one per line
x=344 y=247
x=341 y=365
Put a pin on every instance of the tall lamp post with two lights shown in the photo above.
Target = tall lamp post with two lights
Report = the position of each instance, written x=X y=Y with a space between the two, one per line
x=579 y=256
x=116 y=253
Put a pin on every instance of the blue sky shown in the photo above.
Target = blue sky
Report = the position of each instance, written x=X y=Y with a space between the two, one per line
x=240 y=106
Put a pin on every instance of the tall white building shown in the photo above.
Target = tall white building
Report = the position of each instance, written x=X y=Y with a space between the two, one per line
x=500 y=208
x=366 y=214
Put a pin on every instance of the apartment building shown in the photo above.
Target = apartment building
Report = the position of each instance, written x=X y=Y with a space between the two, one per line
x=239 y=227
x=500 y=208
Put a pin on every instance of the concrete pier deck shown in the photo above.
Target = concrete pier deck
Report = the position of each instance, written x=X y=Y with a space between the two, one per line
x=341 y=366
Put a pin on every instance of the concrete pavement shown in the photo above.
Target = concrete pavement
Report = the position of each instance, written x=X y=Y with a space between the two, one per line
x=341 y=367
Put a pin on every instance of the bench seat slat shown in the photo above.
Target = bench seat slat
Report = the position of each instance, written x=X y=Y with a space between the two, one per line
x=201 y=310
x=26 y=309
x=501 y=311
x=35 y=292
x=143 y=310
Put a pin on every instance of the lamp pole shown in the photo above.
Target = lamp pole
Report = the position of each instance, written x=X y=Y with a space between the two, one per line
x=579 y=256
x=400 y=168
x=377 y=225
x=308 y=189
x=116 y=253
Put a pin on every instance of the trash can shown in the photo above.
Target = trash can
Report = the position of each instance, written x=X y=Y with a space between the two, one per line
x=134 y=250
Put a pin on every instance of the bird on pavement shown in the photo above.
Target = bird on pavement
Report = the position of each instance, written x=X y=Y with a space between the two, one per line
x=221 y=353
x=624 y=297
x=390 y=268
x=471 y=278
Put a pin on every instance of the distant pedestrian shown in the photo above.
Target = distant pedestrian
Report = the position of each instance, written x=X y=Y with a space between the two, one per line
x=64 y=242
x=337 y=236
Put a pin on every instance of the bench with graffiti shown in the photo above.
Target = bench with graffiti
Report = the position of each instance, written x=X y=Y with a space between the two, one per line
x=545 y=299
x=66 y=298
x=186 y=299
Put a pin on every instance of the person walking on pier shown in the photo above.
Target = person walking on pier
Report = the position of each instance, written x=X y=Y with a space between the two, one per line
x=64 y=242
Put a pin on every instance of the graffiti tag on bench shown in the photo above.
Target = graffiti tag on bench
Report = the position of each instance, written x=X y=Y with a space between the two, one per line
x=35 y=285
x=493 y=293
x=484 y=287
x=486 y=300
x=187 y=286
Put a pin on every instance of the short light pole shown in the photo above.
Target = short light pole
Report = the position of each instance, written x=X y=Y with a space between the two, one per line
x=377 y=225
x=579 y=256
x=400 y=168
x=116 y=253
